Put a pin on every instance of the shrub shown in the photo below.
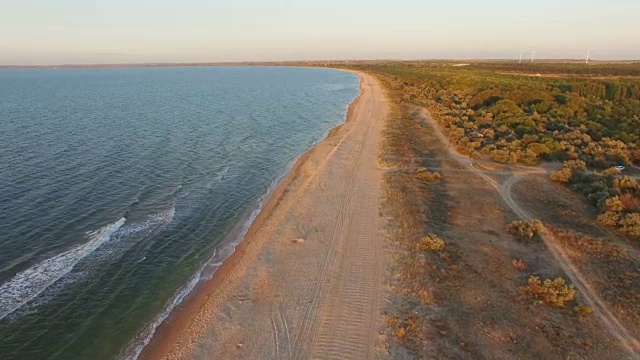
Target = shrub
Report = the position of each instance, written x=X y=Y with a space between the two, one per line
x=425 y=175
x=518 y=264
x=614 y=204
x=524 y=230
x=408 y=331
x=625 y=183
x=550 y=292
x=575 y=164
x=583 y=310
x=504 y=156
x=609 y=218
x=431 y=242
x=563 y=176
x=611 y=171
x=630 y=224
x=630 y=202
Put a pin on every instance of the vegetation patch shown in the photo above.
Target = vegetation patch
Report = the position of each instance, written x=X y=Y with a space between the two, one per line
x=550 y=292
x=583 y=310
x=431 y=242
x=519 y=119
x=523 y=230
x=616 y=196
x=407 y=331
x=518 y=264
x=425 y=175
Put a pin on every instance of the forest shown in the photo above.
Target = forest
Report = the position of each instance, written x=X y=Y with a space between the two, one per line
x=531 y=115
x=586 y=115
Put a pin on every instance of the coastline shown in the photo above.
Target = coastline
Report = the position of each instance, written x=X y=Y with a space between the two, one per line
x=168 y=333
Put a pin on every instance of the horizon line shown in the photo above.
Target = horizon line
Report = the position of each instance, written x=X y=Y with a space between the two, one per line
x=291 y=62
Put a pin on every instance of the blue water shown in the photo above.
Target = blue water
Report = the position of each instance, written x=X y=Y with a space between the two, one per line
x=119 y=189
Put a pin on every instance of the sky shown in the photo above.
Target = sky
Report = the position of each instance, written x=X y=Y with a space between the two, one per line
x=49 y=32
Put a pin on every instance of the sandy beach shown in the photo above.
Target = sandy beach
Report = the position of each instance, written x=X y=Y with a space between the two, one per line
x=308 y=280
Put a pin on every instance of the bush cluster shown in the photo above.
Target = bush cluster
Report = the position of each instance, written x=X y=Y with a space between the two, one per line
x=524 y=230
x=425 y=175
x=550 y=292
x=616 y=196
x=431 y=242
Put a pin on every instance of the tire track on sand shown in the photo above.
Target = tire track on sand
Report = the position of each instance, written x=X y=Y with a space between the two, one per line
x=347 y=320
x=349 y=290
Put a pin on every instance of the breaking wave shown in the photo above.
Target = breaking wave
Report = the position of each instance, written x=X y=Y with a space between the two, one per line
x=29 y=283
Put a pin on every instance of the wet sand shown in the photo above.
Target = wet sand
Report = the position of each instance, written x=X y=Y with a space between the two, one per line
x=308 y=280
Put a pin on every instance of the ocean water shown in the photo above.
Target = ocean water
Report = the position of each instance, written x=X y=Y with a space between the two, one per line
x=119 y=190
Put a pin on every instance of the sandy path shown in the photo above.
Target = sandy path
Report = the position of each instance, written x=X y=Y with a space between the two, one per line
x=319 y=297
x=592 y=299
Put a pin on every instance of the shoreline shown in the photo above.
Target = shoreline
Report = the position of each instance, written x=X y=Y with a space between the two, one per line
x=166 y=335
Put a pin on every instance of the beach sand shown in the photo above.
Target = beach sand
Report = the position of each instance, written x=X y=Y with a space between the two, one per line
x=309 y=279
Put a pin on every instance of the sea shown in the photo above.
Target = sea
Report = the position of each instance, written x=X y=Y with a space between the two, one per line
x=122 y=189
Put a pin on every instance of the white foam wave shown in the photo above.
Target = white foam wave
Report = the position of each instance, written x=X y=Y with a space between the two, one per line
x=29 y=283
x=120 y=240
x=160 y=219
x=130 y=234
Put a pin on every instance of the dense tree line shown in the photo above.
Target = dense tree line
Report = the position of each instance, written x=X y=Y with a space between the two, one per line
x=577 y=68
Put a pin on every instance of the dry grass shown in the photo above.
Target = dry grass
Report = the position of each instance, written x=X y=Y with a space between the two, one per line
x=594 y=247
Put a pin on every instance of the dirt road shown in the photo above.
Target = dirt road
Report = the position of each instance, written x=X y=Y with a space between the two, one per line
x=592 y=299
x=309 y=284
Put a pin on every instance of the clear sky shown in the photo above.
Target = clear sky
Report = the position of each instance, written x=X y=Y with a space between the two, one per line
x=125 y=31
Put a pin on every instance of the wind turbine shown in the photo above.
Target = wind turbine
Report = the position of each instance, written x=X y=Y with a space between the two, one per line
x=521 y=51
x=533 y=53
x=587 y=55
